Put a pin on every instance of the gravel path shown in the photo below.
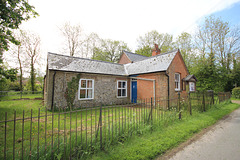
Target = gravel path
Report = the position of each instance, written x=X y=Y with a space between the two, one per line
x=222 y=142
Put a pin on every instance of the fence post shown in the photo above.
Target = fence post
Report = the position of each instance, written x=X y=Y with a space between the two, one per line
x=100 y=124
x=151 y=113
x=203 y=102
x=5 y=137
x=179 y=106
x=189 y=103
x=213 y=97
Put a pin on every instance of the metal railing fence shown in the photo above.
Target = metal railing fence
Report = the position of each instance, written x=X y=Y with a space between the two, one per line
x=65 y=134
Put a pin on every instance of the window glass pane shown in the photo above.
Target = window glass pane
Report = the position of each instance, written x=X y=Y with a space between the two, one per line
x=89 y=84
x=83 y=83
x=176 y=77
x=123 y=92
x=191 y=86
x=119 y=84
x=89 y=93
x=82 y=93
x=119 y=93
x=123 y=84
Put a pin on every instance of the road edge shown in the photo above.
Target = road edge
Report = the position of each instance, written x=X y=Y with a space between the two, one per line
x=194 y=138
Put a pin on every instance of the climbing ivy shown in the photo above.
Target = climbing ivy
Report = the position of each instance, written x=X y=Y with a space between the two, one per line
x=71 y=90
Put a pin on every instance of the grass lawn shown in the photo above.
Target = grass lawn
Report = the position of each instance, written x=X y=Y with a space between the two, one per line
x=234 y=98
x=150 y=145
x=124 y=130
x=81 y=126
x=24 y=96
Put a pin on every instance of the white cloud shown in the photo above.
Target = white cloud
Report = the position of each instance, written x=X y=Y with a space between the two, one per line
x=122 y=20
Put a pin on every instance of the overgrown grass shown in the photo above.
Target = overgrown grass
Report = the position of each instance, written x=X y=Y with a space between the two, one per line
x=118 y=123
x=149 y=145
x=232 y=98
x=19 y=106
x=18 y=96
x=122 y=128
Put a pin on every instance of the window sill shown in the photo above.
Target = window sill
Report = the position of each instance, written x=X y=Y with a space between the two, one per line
x=85 y=99
x=122 y=97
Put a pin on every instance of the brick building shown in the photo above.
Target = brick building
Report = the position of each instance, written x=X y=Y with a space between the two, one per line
x=72 y=81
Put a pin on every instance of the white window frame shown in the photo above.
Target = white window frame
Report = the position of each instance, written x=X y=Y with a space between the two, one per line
x=80 y=88
x=121 y=89
x=179 y=81
x=190 y=86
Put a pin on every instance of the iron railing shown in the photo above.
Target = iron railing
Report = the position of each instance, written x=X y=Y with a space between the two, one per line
x=62 y=134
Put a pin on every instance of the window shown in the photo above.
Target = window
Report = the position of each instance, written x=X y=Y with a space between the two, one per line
x=121 y=89
x=177 y=82
x=191 y=86
x=86 y=89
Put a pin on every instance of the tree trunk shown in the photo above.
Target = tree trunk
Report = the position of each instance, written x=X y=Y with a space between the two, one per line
x=20 y=68
x=32 y=74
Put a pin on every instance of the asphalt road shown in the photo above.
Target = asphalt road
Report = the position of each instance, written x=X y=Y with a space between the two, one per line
x=222 y=142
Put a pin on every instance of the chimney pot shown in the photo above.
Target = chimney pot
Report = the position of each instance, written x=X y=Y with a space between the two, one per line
x=156 y=50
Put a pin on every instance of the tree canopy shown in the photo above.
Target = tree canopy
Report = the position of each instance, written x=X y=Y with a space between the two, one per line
x=146 y=42
x=11 y=16
x=109 y=50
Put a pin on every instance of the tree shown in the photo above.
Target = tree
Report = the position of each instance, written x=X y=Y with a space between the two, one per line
x=218 y=44
x=146 y=42
x=109 y=50
x=184 y=43
x=11 y=16
x=18 y=54
x=92 y=42
x=6 y=76
x=74 y=37
x=32 y=48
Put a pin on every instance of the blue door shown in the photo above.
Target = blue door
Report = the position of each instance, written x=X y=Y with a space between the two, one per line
x=134 y=91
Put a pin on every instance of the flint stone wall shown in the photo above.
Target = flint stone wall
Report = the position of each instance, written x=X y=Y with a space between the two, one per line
x=105 y=90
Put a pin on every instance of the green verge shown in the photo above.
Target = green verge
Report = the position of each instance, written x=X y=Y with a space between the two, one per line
x=150 y=145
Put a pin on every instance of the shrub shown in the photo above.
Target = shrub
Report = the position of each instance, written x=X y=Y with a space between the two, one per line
x=236 y=92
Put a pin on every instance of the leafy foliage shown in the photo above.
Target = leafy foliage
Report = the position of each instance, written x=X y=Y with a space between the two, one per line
x=6 y=75
x=217 y=49
x=146 y=42
x=11 y=16
x=71 y=91
x=236 y=92
x=109 y=50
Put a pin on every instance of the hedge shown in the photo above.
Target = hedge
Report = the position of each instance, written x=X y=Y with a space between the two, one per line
x=236 y=92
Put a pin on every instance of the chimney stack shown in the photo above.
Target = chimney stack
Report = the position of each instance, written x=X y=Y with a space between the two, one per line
x=156 y=50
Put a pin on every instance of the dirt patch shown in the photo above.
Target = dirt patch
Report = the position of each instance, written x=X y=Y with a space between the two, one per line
x=236 y=101
x=196 y=137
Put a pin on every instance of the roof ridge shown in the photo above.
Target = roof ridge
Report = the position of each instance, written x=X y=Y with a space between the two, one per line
x=161 y=54
x=84 y=58
x=134 y=53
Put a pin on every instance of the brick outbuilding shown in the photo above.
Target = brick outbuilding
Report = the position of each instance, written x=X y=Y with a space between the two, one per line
x=75 y=82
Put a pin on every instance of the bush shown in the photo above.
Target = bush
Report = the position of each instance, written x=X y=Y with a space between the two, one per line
x=236 y=92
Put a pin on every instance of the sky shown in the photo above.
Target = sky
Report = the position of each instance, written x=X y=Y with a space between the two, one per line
x=123 y=20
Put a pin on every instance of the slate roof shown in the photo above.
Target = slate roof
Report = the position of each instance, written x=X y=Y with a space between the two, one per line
x=189 y=77
x=134 y=57
x=156 y=63
x=75 y=64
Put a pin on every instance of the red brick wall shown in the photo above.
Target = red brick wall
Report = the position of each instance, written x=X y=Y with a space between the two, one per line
x=177 y=66
x=124 y=59
x=145 y=88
